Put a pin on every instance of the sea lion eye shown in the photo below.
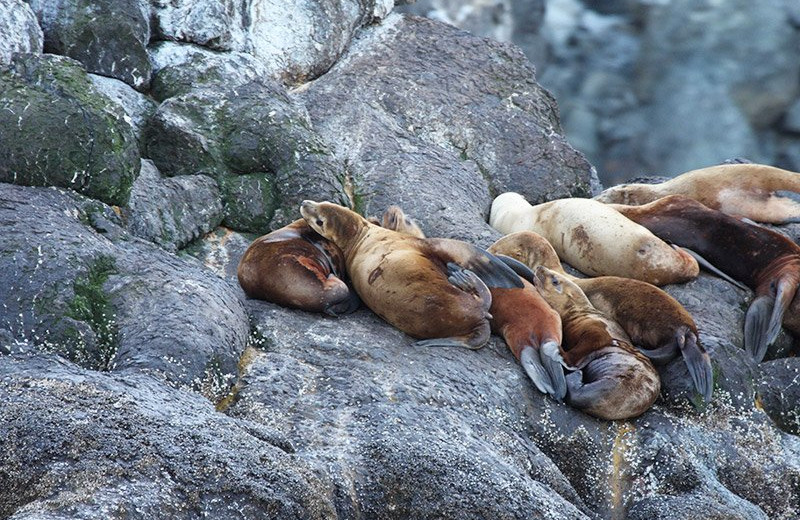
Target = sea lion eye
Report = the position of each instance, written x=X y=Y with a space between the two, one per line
x=319 y=222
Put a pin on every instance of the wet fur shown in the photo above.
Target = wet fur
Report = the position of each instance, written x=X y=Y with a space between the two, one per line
x=747 y=190
x=655 y=321
x=612 y=379
x=594 y=239
x=764 y=260
x=296 y=267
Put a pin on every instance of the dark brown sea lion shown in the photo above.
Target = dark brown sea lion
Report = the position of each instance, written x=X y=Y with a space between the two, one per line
x=757 y=191
x=428 y=288
x=612 y=379
x=595 y=240
x=296 y=267
x=762 y=259
x=529 y=326
x=656 y=322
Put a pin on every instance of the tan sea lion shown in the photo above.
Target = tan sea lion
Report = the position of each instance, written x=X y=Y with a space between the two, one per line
x=656 y=322
x=529 y=326
x=428 y=288
x=764 y=260
x=594 y=239
x=756 y=191
x=612 y=379
x=295 y=267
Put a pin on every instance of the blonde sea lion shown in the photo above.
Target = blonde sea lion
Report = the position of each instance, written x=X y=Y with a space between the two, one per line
x=529 y=326
x=295 y=267
x=612 y=380
x=428 y=288
x=764 y=260
x=656 y=322
x=595 y=239
x=756 y=191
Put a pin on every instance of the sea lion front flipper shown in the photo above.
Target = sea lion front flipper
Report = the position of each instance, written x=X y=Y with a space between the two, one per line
x=756 y=325
x=663 y=354
x=485 y=265
x=518 y=267
x=708 y=266
x=786 y=290
x=553 y=363
x=346 y=306
x=699 y=364
x=530 y=361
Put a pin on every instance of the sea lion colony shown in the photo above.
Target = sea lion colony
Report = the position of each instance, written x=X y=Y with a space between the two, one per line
x=589 y=341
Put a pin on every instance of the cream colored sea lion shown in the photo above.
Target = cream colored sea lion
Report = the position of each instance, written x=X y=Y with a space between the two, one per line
x=529 y=326
x=428 y=288
x=656 y=322
x=764 y=260
x=295 y=267
x=756 y=191
x=612 y=380
x=596 y=240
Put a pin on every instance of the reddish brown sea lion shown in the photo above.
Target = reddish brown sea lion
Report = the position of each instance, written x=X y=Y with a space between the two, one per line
x=656 y=322
x=762 y=259
x=594 y=239
x=757 y=191
x=428 y=288
x=612 y=379
x=296 y=267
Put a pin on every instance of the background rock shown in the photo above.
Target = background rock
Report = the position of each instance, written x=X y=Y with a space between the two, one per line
x=107 y=36
x=137 y=107
x=21 y=32
x=58 y=130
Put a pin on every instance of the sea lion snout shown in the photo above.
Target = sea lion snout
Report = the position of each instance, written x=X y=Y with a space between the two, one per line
x=308 y=208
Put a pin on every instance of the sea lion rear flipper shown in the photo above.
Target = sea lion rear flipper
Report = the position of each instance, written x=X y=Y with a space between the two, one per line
x=786 y=290
x=530 y=361
x=518 y=267
x=756 y=326
x=699 y=364
x=554 y=363
x=708 y=266
x=346 y=306
x=485 y=265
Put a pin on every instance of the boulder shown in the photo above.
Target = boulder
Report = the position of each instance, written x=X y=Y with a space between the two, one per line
x=77 y=284
x=20 y=30
x=461 y=117
x=174 y=211
x=109 y=37
x=137 y=107
x=779 y=392
x=59 y=130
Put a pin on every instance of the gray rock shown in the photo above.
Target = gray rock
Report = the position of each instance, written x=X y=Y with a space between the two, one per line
x=79 y=443
x=791 y=121
x=221 y=251
x=107 y=36
x=779 y=392
x=174 y=211
x=462 y=119
x=137 y=107
x=256 y=130
x=179 y=68
x=58 y=130
x=20 y=30
x=296 y=42
x=75 y=283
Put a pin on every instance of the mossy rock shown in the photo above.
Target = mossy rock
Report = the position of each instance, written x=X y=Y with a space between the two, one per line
x=249 y=202
x=58 y=130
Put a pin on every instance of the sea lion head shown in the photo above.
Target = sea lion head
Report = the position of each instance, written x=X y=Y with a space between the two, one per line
x=557 y=290
x=628 y=194
x=529 y=248
x=336 y=223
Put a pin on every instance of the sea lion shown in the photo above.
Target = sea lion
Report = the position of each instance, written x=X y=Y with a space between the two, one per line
x=594 y=239
x=428 y=288
x=296 y=267
x=656 y=323
x=612 y=379
x=762 y=259
x=529 y=326
x=756 y=191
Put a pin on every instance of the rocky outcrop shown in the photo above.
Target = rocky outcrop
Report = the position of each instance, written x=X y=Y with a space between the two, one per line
x=138 y=381
x=58 y=130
